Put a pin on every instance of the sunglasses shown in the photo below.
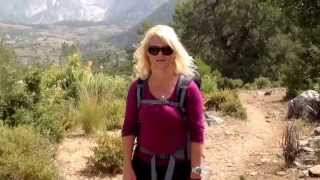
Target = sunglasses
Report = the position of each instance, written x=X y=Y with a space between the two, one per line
x=166 y=50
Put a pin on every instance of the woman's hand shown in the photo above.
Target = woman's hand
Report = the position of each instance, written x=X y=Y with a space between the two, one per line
x=195 y=176
x=128 y=173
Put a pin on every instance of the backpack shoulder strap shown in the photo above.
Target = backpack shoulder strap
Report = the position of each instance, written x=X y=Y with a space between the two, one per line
x=182 y=92
x=181 y=98
x=140 y=87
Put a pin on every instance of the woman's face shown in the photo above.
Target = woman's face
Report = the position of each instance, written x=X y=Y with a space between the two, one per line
x=160 y=54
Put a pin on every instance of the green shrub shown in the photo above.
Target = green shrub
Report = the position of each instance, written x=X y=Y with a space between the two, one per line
x=226 y=101
x=52 y=77
x=227 y=83
x=31 y=103
x=101 y=104
x=11 y=102
x=203 y=68
x=216 y=99
x=106 y=85
x=262 y=82
x=90 y=113
x=49 y=120
x=32 y=84
x=234 y=109
x=72 y=76
x=208 y=84
x=24 y=155
x=114 y=114
x=108 y=156
x=249 y=86
x=45 y=117
x=105 y=115
x=276 y=84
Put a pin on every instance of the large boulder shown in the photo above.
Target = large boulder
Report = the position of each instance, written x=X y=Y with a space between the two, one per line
x=306 y=105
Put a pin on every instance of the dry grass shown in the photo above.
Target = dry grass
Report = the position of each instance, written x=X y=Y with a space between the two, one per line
x=290 y=143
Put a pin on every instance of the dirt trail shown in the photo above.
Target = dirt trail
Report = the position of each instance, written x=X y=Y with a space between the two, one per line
x=234 y=148
x=250 y=148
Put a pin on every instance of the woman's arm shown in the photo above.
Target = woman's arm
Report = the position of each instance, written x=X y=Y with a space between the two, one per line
x=127 y=146
x=195 y=113
x=129 y=130
x=196 y=154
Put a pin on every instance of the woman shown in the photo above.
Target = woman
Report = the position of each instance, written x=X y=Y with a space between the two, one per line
x=162 y=135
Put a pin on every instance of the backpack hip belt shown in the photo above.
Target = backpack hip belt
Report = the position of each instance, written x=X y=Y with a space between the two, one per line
x=179 y=154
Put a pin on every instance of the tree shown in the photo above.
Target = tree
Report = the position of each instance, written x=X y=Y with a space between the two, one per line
x=232 y=36
x=303 y=72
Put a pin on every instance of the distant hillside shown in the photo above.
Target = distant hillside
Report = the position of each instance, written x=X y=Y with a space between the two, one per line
x=51 y=11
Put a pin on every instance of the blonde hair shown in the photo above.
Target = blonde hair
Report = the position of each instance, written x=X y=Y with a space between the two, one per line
x=183 y=62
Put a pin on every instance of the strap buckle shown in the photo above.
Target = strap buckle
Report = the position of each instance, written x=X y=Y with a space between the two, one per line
x=163 y=100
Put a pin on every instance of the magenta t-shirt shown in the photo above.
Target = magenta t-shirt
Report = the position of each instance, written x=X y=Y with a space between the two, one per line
x=161 y=129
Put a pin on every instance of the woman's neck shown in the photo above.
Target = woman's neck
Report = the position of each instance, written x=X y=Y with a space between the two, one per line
x=162 y=77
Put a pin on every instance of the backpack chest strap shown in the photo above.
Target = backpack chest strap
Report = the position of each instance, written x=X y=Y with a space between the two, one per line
x=179 y=154
x=159 y=102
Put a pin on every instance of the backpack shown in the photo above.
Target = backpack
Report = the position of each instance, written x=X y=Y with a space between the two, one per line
x=181 y=93
x=197 y=79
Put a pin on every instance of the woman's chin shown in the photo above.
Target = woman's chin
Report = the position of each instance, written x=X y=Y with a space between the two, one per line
x=162 y=66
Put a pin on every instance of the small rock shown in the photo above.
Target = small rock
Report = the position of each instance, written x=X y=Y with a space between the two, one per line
x=268 y=93
x=279 y=155
x=315 y=171
x=303 y=142
x=292 y=171
x=307 y=149
x=259 y=163
x=218 y=120
x=253 y=173
x=314 y=141
x=260 y=93
x=316 y=131
x=268 y=121
x=304 y=173
x=263 y=160
x=308 y=159
x=281 y=173
x=213 y=119
x=299 y=165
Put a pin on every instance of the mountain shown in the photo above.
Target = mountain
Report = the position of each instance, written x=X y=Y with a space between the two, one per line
x=132 y=11
x=163 y=14
x=127 y=12
x=50 y=11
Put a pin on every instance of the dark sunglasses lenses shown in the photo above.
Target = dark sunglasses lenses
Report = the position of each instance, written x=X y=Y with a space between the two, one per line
x=167 y=50
x=154 y=50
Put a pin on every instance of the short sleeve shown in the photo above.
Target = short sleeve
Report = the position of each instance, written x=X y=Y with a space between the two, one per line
x=195 y=112
x=131 y=112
